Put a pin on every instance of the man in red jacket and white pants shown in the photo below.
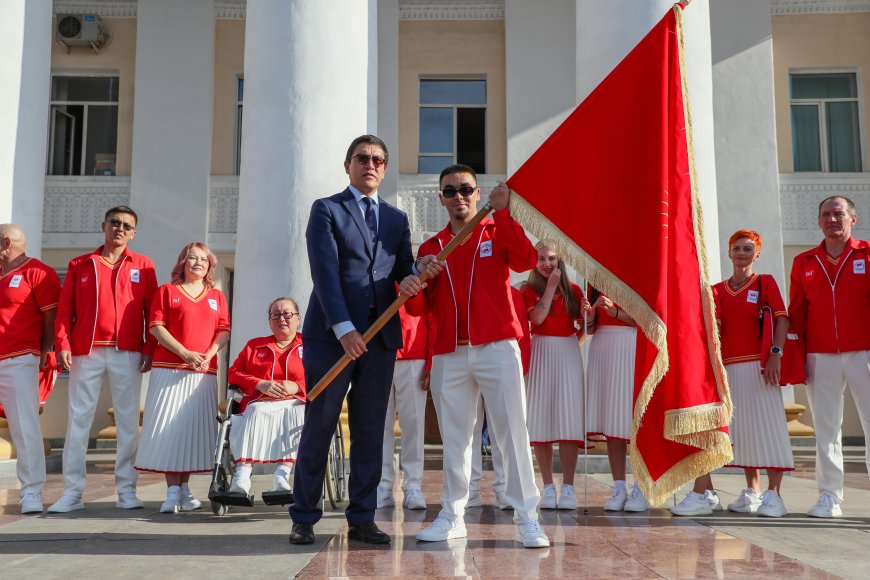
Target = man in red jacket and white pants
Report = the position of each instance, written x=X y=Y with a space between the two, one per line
x=830 y=311
x=475 y=352
x=100 y=328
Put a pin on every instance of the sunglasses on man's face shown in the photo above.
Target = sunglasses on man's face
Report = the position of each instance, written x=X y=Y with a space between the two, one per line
x=116 y=223
x=450 y=192
x=364 y=159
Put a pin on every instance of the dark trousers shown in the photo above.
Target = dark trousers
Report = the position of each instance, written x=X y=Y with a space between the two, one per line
x=371 y=376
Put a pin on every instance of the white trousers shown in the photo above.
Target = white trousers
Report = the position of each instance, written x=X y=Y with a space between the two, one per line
x=85 y=382
x=409 y=400
x=498 y=484
x=493 y=370
x=19 y=395
x=827 y=377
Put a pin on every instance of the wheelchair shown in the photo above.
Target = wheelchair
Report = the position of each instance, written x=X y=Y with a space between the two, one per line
x=219 y=494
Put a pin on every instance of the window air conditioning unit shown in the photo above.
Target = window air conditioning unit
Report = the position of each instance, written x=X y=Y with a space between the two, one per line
x=81 y=30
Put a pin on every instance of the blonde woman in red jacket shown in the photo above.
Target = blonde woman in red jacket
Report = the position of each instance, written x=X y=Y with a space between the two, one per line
x=269 y=371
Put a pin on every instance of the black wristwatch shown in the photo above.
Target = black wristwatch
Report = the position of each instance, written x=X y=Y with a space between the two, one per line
x=775 y=350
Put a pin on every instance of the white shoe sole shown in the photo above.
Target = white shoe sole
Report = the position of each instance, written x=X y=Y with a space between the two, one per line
x=635 y=508
x=763 y=514
x=190 y=507
x=832 y=514
x=694 y=513
x=534 y=542
x=128 y=505
x=169 y=509
x=451 y=534
x=65 y=509
x=31 y=508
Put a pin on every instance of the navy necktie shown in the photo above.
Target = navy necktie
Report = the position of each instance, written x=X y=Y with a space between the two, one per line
x=371 y=221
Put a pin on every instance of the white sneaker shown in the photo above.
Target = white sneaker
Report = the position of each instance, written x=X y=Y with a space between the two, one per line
x=442 y=529
x=31 y=503
x=548 y=497
x=186 y=502
x=474 y=499
x=531 y=535
x=414 y=500
x=385 y=497
x=173 y=495
x=567 y=498
x=616 y=501
x=241 y=484
x=128 y=501
x=501 y=502
x=636 y=501
x=280 y=482
x=66 y=503
x=713 y=499
x=772 y=505
x=826 y=507
x=694 y=504
x=747 y=502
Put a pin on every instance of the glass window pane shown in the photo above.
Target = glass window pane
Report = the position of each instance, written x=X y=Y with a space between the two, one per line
x=241 y=92
x=452 y=92
x=844 y=146
x=471 y=138
x=66 y=140
x=100 y=89
x=102 y=140
x=433 y=164
x=806 y=147
x=436 y=130
x=824 y=86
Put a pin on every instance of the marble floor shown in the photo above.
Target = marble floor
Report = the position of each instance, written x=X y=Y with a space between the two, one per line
x=105 y=542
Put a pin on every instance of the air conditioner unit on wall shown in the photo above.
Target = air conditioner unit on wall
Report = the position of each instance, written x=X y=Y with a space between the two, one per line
x=81 y=30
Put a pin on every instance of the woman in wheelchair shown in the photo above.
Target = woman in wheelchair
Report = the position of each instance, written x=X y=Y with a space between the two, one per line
x=269 y=372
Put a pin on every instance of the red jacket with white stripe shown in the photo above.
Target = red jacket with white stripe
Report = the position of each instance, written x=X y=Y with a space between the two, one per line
x=259 y=360
x=832 y=312
x=77 y=312
x=501 y=245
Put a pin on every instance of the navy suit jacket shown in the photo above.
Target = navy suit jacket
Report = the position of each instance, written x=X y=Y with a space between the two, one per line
x=349 y=272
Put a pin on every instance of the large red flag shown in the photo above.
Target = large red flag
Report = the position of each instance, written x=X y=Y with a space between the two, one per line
x=613 y=190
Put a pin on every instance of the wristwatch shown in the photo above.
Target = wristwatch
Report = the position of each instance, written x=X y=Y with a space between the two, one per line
x=775 y=350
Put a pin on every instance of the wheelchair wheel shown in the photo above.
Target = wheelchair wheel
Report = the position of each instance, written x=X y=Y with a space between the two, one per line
x=336 y=477
x=219 y=509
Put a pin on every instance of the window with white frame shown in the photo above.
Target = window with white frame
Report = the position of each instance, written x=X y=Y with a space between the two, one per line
x=237 y=146
x=452 y=124
x=83 y=125
x=824 y=122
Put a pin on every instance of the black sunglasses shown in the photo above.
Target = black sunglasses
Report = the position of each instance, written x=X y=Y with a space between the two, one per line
x=364 y=159
x=450 y=192
x=116 y=223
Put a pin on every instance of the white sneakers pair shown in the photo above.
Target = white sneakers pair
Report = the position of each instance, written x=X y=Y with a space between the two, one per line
x=179 y=499
x=828 y=506
x=413 y=500
x=530 y=534
x=567 y=499
x=698 y=504
x=768 y=504
x=127 y=500
x=242 y=480
x=623 y=501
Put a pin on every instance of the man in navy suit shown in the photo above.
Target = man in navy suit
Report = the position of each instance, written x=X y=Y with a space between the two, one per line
x=359 y=247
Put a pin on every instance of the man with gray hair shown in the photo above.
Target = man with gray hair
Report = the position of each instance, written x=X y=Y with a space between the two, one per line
x=29 y=292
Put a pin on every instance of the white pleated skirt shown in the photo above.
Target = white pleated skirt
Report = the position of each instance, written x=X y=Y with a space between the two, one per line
x=759 y=431
x=554 y=391
x=611 y=383
x=267 y=431
x=178 y=425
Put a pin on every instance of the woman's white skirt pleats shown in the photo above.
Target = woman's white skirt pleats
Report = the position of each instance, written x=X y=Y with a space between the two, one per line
x=759 y=431
x=554 y=391
x=611 y=382
x=267 y=431
x=179 y=424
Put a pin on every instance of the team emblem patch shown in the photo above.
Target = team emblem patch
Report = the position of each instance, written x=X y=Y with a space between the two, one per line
x=808 y=274
x=213 y=304
x=752 y=296
x=84 y=279
x=859 y=267
x=486 y=249
x=261 y=354
x=134 y=276
x=16 y=281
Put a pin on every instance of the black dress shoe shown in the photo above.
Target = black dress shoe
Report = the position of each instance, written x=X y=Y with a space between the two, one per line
x=368 y=532
x=302 y=533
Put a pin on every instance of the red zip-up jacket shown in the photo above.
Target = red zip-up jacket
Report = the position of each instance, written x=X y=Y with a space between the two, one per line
x=501 y=245
x=77 y=311
x=831 y=313
x=258 y=362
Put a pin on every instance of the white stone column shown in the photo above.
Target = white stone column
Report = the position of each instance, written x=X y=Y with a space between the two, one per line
x=306 y=85
x=25 y=67
x=607 y=31
x=539 y=97
x=172 y=117
x=387 y=98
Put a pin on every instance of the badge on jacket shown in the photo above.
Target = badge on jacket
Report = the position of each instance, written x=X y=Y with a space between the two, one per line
x=213 y=303
x=752 y=296
x=858 y=266
x=486 y=249
x=16 y=281
x=134 y=276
